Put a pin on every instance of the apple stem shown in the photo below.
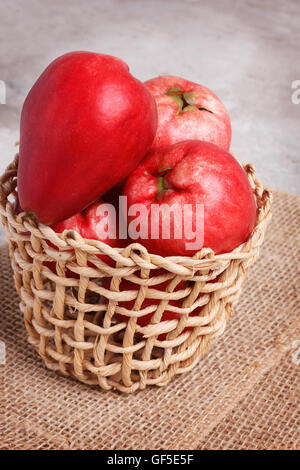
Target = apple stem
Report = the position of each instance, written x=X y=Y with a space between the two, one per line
x=183 y=100
x=162 y=185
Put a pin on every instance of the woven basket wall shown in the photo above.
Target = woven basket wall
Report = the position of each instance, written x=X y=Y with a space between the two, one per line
x=71 y=318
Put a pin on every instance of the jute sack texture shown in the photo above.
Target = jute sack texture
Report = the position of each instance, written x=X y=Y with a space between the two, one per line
x=269 y=416
x=70 y=316
x=244 y=394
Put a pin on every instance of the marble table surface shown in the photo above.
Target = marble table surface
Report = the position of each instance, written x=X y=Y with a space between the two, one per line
x=247 y=52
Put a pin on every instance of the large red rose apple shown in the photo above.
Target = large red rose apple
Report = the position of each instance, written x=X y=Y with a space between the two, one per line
x=187 y=110
x=188 y=176
x=85 y=125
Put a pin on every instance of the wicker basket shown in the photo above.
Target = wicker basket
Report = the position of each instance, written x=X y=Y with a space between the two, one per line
x=70 y=317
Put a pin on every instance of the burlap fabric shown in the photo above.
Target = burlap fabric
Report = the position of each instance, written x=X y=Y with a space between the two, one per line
x=268 y=417
x=243 y=394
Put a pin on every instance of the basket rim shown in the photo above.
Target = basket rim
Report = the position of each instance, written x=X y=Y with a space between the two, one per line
x=70 y=239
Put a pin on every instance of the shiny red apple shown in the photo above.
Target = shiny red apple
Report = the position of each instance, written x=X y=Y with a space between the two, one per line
x=187 y=110
x=193 y=178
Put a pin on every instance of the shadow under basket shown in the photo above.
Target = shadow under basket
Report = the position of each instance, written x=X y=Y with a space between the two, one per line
x=74 y=322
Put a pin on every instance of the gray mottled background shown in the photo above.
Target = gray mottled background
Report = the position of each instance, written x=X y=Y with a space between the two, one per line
x=246 y=51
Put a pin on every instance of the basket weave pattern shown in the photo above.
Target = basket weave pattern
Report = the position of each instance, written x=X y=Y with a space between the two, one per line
x=70 y=316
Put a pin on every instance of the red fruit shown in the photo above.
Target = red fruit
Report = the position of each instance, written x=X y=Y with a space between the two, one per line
x=192 y=172
x=85 y=125
x=95 y=223
x=187 y=110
